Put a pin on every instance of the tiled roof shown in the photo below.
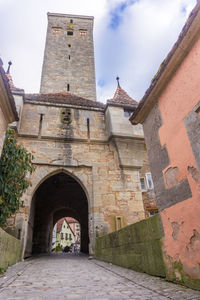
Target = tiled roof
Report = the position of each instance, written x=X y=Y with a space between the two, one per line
x=63 y=98
x=7 y=87
x=121 y=97
x=59 y=224
x=71 y=220
x=167 y=60
x=68 y=220
x=11 y=84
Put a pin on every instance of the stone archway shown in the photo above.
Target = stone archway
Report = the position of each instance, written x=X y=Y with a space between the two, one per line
x=58 y=196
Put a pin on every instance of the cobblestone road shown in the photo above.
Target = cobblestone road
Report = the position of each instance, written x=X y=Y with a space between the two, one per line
x=72 y=277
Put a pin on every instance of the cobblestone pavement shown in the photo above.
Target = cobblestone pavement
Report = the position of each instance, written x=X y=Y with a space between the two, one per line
x=74 y=277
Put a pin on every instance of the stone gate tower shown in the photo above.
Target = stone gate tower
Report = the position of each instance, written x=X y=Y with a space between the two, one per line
x=90 y=162
x=69 y=56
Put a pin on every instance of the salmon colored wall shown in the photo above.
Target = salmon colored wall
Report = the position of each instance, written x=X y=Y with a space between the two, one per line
x=182 y=221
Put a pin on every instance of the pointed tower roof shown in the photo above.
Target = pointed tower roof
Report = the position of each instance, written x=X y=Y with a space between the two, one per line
x=10 y=100
x=121 y=98
x=10 y=81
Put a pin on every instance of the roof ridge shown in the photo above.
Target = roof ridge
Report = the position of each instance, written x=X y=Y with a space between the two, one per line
x=62 y=93
x=63 y=98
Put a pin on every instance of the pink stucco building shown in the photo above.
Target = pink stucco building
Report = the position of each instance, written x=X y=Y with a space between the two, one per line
x=170 y=114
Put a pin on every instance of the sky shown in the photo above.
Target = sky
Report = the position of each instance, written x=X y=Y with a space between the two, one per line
x=131 y=39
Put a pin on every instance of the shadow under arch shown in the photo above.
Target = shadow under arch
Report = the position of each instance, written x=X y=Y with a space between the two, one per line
x=58 y=195
x=58 y=171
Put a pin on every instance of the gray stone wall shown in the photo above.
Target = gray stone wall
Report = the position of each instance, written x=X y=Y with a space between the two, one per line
x=10 y=249
x=192 y=124
x=137 y=247
x=69 y=59
x=113 y=188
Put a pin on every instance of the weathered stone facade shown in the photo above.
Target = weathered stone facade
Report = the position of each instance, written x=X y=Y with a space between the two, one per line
x=69 y=56
x=100 y=160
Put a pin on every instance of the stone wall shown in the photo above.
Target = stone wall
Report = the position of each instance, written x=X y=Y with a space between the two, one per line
x=106 y=168
x=69 y=59
x=137 y=247
x=10 y=249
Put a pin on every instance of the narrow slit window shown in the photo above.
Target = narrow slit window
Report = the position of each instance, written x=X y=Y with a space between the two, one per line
x=40 y=126
x=68 y=87
x=119 y=224
x=69 y=57
x=88 y=128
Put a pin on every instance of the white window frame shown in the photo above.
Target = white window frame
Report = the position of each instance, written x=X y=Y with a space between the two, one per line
x=147 y=182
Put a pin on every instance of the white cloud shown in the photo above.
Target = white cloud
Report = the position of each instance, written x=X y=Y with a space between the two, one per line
x=133 y=50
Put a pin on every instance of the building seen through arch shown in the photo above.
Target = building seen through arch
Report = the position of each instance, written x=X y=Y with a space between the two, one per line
x=66 y=235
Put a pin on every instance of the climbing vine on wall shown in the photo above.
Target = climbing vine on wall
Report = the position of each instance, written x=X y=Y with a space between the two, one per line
x=15 y=164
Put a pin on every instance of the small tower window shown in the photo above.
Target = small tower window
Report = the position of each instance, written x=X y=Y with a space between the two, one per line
x=68 y=87
x=71 y=21
x=69 y=57
x=69 y=45
x=56 y=30
x=70 y=32
x=82 y=32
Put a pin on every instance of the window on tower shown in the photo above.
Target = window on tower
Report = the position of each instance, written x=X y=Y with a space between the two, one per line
x=70 y=32
x=82 y=32
x=56 y=30
x=71 y=21
x=68 y=87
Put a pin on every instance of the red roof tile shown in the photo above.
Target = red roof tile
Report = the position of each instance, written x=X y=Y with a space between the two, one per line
x=68 y=220
x=59 y=224
x=121 y=97
x=63 y=98
x=11 y=84
x=71 y=220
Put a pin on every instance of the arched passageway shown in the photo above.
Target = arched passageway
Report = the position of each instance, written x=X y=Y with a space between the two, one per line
x=57 y=197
